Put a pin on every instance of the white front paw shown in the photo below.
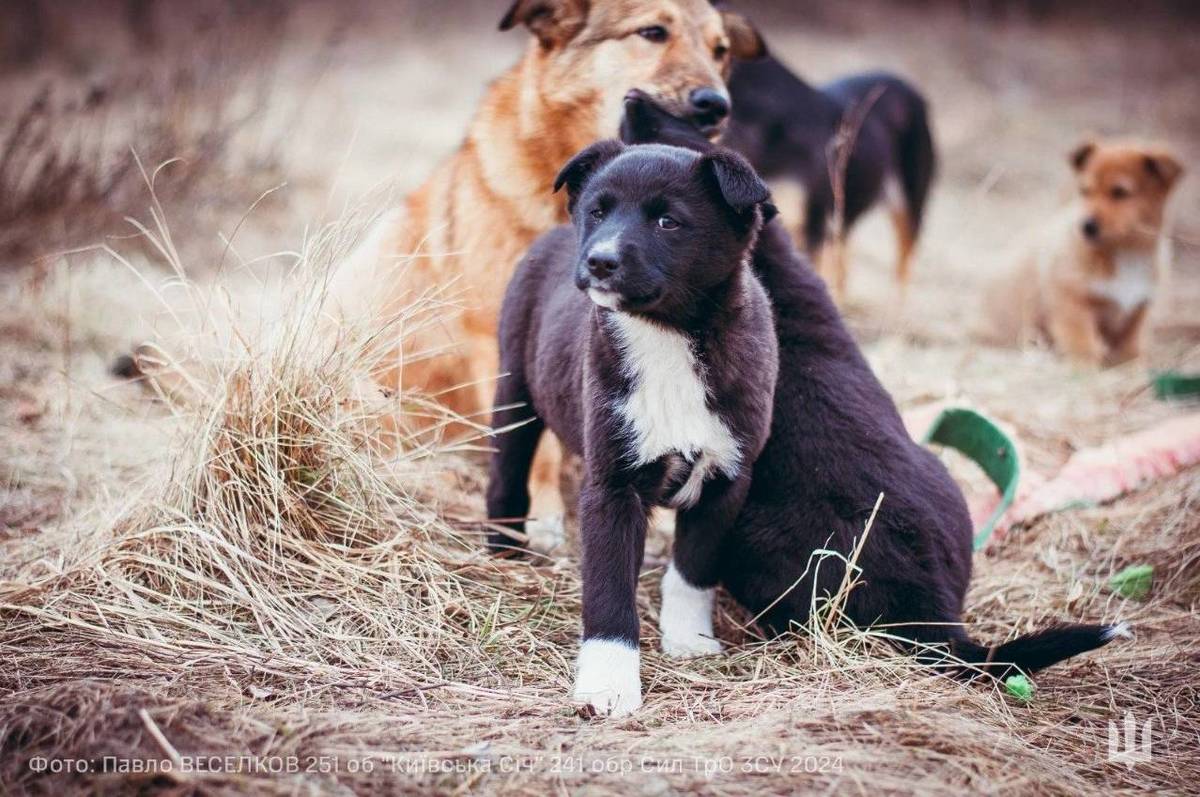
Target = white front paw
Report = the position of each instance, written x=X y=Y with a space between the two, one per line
x=686 y=618
x=608 y=677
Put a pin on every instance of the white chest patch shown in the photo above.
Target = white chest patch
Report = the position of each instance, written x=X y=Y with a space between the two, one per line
x=1131 y=285
x=666 y=411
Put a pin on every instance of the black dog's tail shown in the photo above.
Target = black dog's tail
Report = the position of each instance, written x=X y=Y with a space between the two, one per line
x=918 y=161
x=1032 y=652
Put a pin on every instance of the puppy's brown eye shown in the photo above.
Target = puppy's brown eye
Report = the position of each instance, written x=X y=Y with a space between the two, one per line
x=1119 y=192
x=653 y=33
x=596 y=213
x=667 y=223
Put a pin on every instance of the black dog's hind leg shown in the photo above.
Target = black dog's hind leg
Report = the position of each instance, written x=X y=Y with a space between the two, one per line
x=825 y=246
x=690 y=582
x=508 y=482
x=613 y=522
x=916 y=165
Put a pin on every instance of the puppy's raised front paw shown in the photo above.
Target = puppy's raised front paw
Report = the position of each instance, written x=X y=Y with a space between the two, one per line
x=608 y=677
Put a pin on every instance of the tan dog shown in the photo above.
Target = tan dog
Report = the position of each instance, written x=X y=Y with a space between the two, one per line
x=1088 y=286
x=475 y=216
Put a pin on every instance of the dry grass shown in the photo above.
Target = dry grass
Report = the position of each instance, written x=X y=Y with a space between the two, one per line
x=246 y=573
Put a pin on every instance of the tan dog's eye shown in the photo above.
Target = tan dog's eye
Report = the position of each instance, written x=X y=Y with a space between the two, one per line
x=1119 y=192
x=720 y=51
x=653 y=33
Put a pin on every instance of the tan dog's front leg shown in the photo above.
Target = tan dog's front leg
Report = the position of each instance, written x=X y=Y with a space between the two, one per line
x=1075 y=331
x=547 y=511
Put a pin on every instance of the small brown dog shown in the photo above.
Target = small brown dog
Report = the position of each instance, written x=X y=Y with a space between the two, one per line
x=1088 y=285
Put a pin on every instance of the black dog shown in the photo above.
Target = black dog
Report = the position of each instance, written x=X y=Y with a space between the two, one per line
x=645 y=343
x=789 y=129
x=837 y=442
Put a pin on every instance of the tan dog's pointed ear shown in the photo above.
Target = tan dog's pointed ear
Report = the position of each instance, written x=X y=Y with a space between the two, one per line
x=1082 y=154
x=554 y=22
x=744 y=40
x=1164 y=167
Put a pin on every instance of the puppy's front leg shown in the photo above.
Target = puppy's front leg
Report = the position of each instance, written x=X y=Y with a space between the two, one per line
x=613 y=537
x=1074 y=330
x=1128 y=345
x=689 y=585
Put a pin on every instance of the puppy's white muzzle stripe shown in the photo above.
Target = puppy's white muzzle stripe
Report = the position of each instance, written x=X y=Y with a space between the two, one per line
x=686 y=618
x=608 y=677
x=609 y=247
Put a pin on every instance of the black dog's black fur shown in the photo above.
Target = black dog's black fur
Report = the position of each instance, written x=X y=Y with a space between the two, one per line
x=784 y=125
x=837 y=442
x=567 y=361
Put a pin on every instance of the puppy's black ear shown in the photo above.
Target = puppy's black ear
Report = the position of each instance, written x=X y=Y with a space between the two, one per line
x=1082 y=154
x=554 y=22
x=585 y=163
x=745 y=42
x=736 y=179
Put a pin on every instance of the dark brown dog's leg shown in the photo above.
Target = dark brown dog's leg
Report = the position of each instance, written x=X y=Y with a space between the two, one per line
x=831 y=265
x=902 y=223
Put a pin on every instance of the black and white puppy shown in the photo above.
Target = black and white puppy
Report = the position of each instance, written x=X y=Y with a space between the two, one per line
x=644 y=341
x=837 y=441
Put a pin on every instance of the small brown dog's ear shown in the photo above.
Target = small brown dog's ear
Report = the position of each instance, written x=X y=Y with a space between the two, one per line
x=1081 y=154
x=1163 y=167
x=745 y=42
x=575 y=174
x=554 y=22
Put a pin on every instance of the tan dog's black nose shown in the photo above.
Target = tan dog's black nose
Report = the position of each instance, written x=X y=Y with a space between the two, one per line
x=708 y=105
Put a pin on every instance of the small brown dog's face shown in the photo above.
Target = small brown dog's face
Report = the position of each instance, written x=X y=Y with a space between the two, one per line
x=594 y=52
x=1124 y=188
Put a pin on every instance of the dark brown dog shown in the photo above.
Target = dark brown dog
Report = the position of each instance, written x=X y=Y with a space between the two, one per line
x=851 y=144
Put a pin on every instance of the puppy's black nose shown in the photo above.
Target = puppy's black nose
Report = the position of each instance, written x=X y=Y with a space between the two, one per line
x=1091 y=229
x=602 y=266
x=709 y=104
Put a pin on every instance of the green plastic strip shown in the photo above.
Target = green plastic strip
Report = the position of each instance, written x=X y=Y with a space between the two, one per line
x=984 y=443
x=1175 y=385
